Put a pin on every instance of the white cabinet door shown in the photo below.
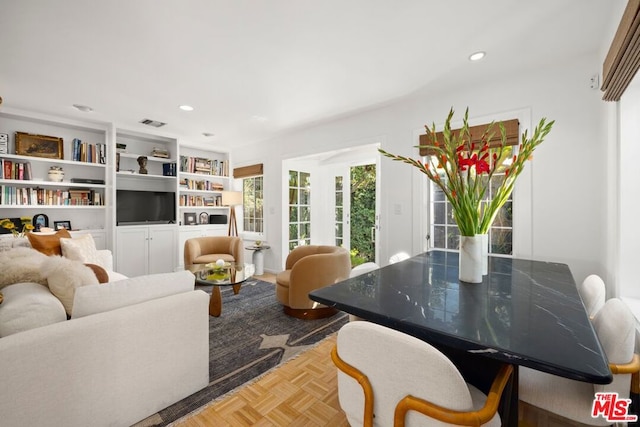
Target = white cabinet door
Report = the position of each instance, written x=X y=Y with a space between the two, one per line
x=162 y=250
x=132 y=251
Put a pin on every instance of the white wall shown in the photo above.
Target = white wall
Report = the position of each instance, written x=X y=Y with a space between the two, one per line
x=629 y=191
x=568 y=175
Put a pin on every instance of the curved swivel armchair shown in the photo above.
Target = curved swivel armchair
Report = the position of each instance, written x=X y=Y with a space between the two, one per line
x=308 y=268
x=203 y=250
x=388 y=378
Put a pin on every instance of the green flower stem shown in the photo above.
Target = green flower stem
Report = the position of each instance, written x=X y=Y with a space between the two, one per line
x=462 y=184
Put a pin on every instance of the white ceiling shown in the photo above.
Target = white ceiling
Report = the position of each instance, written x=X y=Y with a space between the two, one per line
x=255 y=68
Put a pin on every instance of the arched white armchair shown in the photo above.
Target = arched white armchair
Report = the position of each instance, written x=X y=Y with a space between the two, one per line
x=615 y=325
x=388 y=378
x=593 y=293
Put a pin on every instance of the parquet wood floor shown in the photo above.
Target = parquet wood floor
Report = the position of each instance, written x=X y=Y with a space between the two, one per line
x=301 y=392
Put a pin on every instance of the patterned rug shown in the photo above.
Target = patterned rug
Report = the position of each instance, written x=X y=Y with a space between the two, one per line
x=251 y=336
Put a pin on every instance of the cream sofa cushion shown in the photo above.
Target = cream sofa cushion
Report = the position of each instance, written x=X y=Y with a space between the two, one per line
x=64 y=276
x=106 y=297
x=28 y=306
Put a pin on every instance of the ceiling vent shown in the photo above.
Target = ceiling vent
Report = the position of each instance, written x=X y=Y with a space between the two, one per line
x=154 y=123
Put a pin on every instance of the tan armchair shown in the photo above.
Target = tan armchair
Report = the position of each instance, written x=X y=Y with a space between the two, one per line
x=308 y=268
x=203 y=250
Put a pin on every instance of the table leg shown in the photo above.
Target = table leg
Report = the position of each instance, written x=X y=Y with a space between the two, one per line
x=215 y=302
x=236 y=288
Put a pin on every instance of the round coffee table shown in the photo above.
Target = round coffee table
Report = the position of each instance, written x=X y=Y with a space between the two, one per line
x=213 y=275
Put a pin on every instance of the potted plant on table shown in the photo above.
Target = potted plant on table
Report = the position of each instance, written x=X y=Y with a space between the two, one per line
x=463 y=169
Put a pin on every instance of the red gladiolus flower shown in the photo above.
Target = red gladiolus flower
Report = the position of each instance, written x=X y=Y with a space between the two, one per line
x=482 y=167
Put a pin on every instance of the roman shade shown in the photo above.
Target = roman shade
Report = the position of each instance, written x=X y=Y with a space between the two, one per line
x=247 y=171
x=623 y=59
x=511 y=127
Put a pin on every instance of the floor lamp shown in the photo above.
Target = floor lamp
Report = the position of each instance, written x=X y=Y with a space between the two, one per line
x=231 y=199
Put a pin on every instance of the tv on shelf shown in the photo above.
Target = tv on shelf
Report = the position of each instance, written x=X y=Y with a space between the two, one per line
x=145 y=207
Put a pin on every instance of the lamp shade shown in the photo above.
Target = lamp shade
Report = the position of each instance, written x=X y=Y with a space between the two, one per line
x=231 y=198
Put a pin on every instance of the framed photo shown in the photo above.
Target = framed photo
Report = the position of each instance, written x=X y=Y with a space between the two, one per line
x=203 y=218
x=60 y=225
x=39 y=221
x=28 y=144
x=190 y=218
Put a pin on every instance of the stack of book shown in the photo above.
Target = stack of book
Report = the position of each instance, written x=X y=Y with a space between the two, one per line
x=88 y=153
x=15 y=170
x=160 y=152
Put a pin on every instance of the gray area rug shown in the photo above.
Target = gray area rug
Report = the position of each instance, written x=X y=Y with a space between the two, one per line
x=251 y=336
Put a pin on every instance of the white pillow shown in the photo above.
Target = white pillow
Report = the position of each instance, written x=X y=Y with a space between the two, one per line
x=64 y=276
x=81 y=248
x=109 y=296
x=28 y=306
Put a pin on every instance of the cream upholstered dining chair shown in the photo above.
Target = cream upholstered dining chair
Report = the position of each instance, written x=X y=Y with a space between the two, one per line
x=203 y=250
x=593 y=293
x=615 y=326
x=388 y=378
x=307 y=268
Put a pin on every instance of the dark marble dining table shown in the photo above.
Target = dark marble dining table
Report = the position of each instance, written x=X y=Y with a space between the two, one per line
x=525 y=313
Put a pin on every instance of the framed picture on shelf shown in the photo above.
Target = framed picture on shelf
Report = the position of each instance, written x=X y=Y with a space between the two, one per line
x=28 y=144
x=62 y=225
x=204 y=218
x=39 y=221
x=190 y=218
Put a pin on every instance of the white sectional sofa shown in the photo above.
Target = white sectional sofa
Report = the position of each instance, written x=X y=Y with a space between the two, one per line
x=131 y=348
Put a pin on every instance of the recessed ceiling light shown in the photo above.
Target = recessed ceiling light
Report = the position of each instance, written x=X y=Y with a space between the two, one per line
x=476 y=56
x=208 y=134
x=83 y=108
x=257 y=118
x=186 y=108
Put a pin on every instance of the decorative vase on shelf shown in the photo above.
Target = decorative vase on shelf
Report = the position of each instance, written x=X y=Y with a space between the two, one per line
x=56 y=174
x=470 y=259
x=485 y=253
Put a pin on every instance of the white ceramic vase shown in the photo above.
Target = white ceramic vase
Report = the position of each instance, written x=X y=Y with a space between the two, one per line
x=485 y=253
x=470 y=259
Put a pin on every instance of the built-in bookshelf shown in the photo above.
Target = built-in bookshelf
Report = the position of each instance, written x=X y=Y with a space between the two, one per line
x=52 y=176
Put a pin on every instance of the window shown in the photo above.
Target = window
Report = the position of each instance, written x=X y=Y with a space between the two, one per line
x=252 y=204
x=339 y=210
x=444 y=231
x=299 y=209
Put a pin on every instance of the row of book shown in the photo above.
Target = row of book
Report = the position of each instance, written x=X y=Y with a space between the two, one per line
x=20 y=196
x=204 y=166
x=193 y=184
x=15 y=170
x=88 y=153
x=190 y=200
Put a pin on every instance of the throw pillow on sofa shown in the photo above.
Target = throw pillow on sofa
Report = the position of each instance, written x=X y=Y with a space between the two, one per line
x=48 y=244
x=28 y=306
x=21 y=265
x=64 y=276
x=81 y=248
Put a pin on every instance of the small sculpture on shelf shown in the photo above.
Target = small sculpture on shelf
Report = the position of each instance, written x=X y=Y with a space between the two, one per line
x=142 y=161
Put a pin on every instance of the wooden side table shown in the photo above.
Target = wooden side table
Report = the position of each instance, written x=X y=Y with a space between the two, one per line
x=258 y=257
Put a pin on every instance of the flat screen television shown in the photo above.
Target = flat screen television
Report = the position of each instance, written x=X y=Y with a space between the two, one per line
x=135 y=207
